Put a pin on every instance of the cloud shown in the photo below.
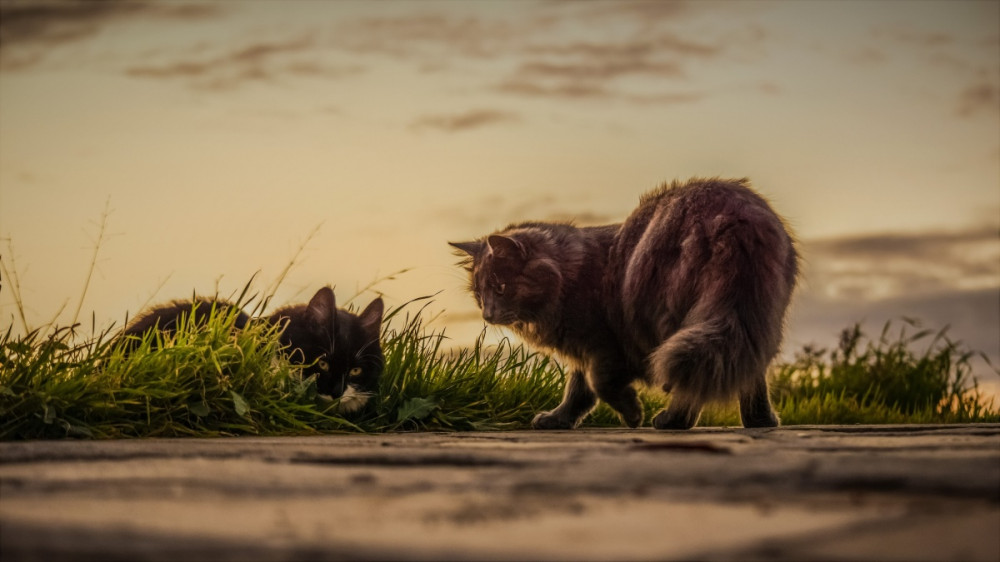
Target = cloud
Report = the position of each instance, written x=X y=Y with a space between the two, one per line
x=421 y=35
x=260 y=61
x=878 y=267
x=973 y=317
x=921 y=245
x=534 y=88
x=980 y=97
x=596 y=69
x=497 y=211
x=643 y=54
x=29 y=30
x=466 y=121
x=970 y=58
x=866 y=56
x=639 y=11
x=941 y=278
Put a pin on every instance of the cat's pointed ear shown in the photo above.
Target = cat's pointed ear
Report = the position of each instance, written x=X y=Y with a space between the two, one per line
x=471 y=248
x=323 y=306
x=371 y=318
x=504 y=247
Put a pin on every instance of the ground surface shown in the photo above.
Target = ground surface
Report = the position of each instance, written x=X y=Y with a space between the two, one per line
x=841 y=493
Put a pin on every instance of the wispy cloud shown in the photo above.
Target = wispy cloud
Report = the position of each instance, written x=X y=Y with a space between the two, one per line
x=978 y=98
x=648 y=42
x=877 y=267
x=30 y=30
x=499 y=210
x=973 y=317
x=431 y=34
x=256 y=62
x=944 y=278
x=956 y=53
x=458 y=122
x=597 y=69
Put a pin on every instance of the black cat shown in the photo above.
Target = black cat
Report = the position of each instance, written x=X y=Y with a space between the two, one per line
x=341 y=349
x=688 y=294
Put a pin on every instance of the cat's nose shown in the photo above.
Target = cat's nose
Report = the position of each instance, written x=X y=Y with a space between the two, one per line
x=489 y=314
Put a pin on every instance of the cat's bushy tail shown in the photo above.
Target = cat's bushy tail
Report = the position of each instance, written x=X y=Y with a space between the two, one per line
x=727 y=339
x=708 y=361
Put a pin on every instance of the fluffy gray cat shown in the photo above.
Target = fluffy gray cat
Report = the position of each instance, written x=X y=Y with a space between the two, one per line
x=688 y=294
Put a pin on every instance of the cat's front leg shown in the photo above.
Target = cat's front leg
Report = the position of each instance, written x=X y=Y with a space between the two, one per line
x=578 y=401
x=614 y=387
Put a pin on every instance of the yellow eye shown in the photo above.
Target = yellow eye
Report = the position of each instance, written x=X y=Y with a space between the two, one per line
x=355 y=371
x=323 y=365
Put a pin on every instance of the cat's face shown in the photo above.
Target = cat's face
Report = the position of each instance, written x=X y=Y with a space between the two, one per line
x=358 y=360
x=510 y=282
x=342 y=350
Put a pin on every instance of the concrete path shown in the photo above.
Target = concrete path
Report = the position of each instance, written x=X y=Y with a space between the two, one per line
x=796 y=493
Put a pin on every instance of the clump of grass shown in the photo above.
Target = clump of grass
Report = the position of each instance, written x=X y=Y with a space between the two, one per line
x=888 y=380
x=476 y=388
x=204 y=380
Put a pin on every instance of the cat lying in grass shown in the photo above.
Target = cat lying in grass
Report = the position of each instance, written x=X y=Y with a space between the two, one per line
x=342 y=350
x=688 y=294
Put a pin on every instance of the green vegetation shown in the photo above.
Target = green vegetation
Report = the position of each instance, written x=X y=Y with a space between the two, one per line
x=213 y=380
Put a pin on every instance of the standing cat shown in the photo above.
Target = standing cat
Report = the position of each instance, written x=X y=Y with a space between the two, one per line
x=341 y=349
x=688 y=294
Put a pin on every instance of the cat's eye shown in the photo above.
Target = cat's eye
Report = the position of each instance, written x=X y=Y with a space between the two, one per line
x=354 y=372
x=323 y=365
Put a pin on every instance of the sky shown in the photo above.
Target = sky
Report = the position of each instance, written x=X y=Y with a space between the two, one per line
x=215 y=140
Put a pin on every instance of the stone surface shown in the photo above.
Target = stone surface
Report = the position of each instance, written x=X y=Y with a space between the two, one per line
x=829 y=492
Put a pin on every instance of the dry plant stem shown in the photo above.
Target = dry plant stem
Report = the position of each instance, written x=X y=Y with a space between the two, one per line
x=15 y=284
x=378 y=280
x=102 y=228
x=273 y=287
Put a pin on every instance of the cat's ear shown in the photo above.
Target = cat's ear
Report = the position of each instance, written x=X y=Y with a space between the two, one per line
x=371 y=318
x=323 y=306
x=472 y=248
x=505 y=248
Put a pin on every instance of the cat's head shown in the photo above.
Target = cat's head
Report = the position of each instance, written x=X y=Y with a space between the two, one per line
x=341 y=349
x=513 y=276
x=358 y=358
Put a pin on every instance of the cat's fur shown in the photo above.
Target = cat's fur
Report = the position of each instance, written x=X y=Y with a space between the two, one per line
x=688 y=294
x=342 y=350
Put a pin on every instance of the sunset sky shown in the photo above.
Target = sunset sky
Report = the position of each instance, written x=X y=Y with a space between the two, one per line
x=221 y=134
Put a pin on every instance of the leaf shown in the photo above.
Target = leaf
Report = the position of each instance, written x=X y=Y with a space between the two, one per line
x=416 y=409
x=50 y=414
x=80 y=430
x=199 y=409
x=239 y=403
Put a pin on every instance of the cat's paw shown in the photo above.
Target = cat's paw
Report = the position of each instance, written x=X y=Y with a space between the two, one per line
x=633 y=419
x=668 y=419
x=548 y=420
x=767 y=419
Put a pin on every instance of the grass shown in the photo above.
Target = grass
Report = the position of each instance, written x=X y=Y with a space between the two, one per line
x=211 y=380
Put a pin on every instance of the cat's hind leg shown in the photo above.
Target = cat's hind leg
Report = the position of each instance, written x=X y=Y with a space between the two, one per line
x=755 y=408
x=578 y=401
x=682 y=413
